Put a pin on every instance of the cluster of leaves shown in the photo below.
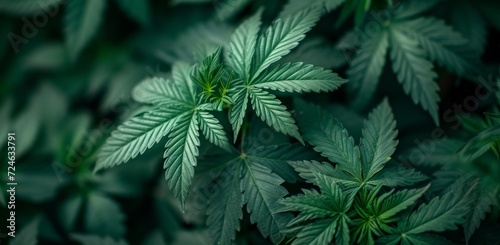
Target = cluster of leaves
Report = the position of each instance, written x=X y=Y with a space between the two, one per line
x=275 y=164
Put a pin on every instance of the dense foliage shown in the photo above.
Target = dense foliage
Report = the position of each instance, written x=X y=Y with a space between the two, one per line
x=251 y=122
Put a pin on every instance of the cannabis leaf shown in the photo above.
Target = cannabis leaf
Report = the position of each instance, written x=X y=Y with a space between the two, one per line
x=251 y=56
x=82 y=19
x=252 y=176
x=176 y=113
x=349 y=206
x=413 y=43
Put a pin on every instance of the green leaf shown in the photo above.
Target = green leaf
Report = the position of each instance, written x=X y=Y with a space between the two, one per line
x=294 y=6
x=29 y=7
x=282 y=36
x=182 y=77
x=238 y=110
x=467 y=20
x=104 y=216
x=413 y=8
x=225 y=206
x=28 y=234
x=226 y=9
x=399 y=201
x=271 y=111
x=94 y=240
x=440 y=214
x=139 y=10
x=306 y=169
x=366 y=67
x=213 y=130
x=136 y=135
x=242 y=46
x=483 y=199
x=261 y=191
x=158 y=90
x=329 y=138
x=413 y=71
x=181 y=155
x=379 y=139
x=317 y=232
x=276 y=157
x=81 y=22
x=298 y=77
x=443 y=45
x=398 y=176
x=311 y=206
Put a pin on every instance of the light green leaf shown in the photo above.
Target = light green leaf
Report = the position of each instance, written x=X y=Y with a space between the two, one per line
x=242 y=46
x=81 y=22
x=213 y=130
x=379 y=139
x=238 y=110
x=136 y=135
x=282 y=36
x=158 y=90
x=366 y=68
x=181 y=155
x=271 y=111
x=413 y=71
x=298 y=77
x=138 y=10
x=261 y=191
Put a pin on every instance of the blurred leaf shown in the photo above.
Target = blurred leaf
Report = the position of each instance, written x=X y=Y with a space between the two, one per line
x=81 y=23
x=69 y=210
x=104 y=216
x=96 y=240
x=28 y=234
x=139 y=10
x=27 y=7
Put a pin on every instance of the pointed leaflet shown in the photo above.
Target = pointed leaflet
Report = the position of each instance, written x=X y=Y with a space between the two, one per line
x=282 y=36
x=225 y=206
x=180 y=74
x=180 y=155
x=136 y=135
x=440 y=214
x=399 y=201
x=138 y=10
x=443 y=45
x=238 y=110
x=213 y=130
x=366 y=67
x=242 y=45
x=329 y=138
x=298 y=77
x=159 y=90
x=319 y=232
x=483 y=199
x=81 y=22
x=413 y=71
x=261 y=191
x=379 y=139
x=271 y=111
x=311 y=206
